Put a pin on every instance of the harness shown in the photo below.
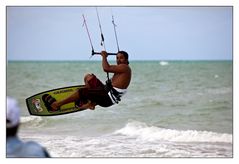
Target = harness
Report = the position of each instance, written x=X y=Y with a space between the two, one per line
x=114 y=93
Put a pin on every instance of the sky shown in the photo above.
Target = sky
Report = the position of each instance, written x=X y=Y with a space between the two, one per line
x=146 y=33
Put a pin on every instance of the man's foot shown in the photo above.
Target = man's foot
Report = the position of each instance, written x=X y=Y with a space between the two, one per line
x=91 y=105
x=85 y=105
x=79 y=103
x=54 y=106
x=50 y=102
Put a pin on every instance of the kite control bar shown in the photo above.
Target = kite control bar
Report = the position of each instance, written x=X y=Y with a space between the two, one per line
x=99 y=53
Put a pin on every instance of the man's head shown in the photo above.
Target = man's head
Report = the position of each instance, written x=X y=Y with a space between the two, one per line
x=13 y=116
x=122 y=57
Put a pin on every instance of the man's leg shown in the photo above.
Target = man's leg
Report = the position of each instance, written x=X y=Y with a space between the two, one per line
x=75 y=96
x=88 y=84
x=72 y=98
x=87 y=79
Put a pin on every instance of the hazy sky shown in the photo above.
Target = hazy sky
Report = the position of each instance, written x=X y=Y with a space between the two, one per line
x=146 y=33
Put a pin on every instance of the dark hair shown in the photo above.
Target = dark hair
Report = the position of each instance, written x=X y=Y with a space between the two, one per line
x=12 y=131
x=125 y=55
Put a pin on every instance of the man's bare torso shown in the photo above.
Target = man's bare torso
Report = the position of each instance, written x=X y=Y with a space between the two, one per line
x=122 y=80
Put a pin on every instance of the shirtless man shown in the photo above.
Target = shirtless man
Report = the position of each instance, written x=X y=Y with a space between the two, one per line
x=95 y=92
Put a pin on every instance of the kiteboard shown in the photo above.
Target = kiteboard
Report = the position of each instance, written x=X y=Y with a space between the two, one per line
x=37 y=105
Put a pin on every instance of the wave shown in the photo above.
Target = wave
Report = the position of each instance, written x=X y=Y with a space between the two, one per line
x=27 y=119
x=142 y=131
x=135 y=139
x=33 y=121
x=163 y=63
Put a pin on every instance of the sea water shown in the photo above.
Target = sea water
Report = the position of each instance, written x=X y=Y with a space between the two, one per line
x=172 y=109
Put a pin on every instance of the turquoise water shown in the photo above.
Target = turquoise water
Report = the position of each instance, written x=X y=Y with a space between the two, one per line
x=172 y=109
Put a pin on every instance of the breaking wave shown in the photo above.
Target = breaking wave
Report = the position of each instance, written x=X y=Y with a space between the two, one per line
x=142 y=131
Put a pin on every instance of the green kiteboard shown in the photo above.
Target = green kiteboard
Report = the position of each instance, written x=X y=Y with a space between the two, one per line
x=37 y=105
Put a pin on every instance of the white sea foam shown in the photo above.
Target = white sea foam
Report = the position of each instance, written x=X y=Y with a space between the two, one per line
x=137 y=139
x=163 y=63
x=33 y=121
x=142 y=131
x=30 y=119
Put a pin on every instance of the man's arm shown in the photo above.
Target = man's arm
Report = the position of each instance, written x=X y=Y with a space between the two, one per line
x=105 y=63
x=112 y=68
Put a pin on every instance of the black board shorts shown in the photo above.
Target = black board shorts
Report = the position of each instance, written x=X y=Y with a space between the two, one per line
x=97 y=93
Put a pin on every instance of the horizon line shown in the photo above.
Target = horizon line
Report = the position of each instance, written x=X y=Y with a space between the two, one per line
x=17 y=60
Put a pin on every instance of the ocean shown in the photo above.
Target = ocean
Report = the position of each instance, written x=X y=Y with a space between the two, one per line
x=171 y=109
